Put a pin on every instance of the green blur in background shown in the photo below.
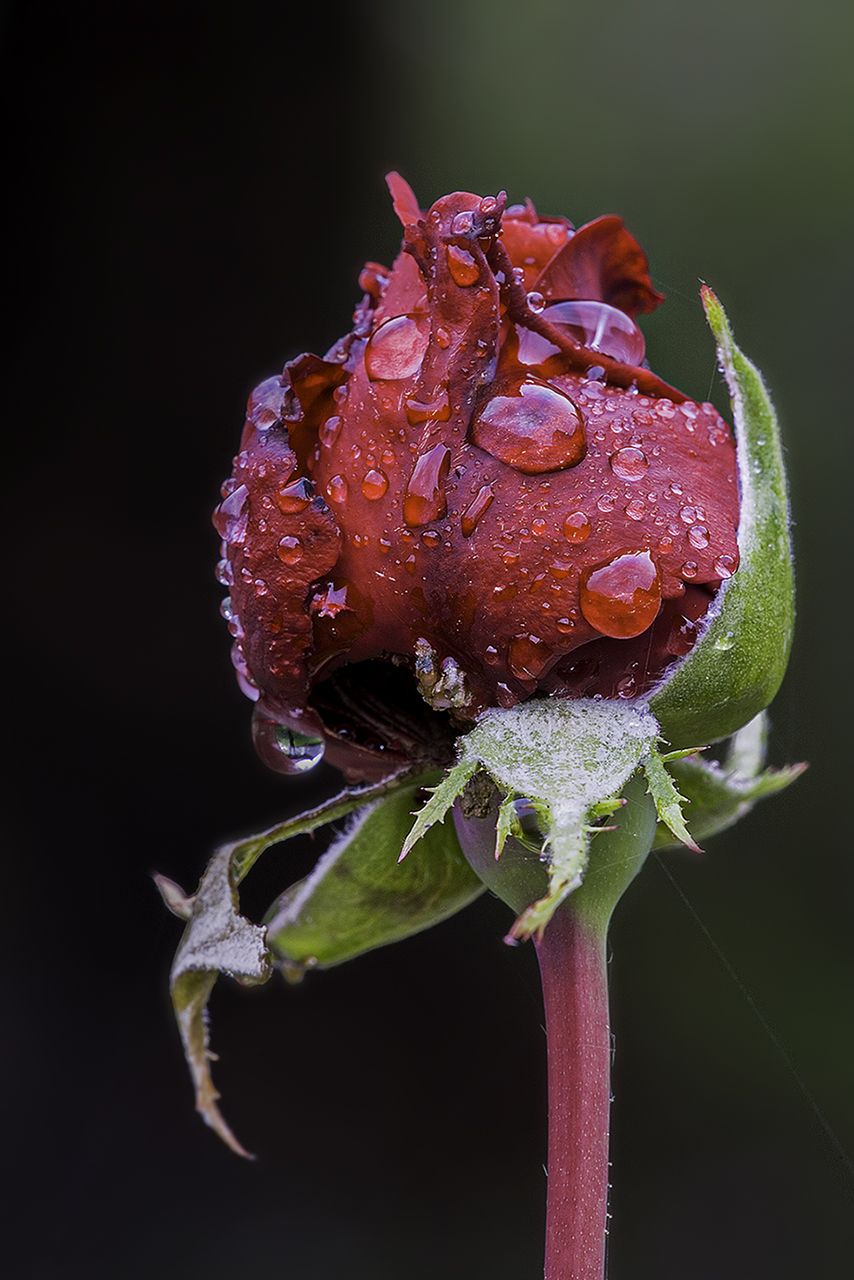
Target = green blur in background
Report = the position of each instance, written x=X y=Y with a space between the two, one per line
x=199 y=188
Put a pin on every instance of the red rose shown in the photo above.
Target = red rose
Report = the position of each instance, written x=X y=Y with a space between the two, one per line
x=480 y=494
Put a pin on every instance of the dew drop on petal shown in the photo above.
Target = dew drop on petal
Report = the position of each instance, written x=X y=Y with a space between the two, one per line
x=295 y=497
x=528 y=656
x=283 y=748
x=689 y=569
x=337 y=489
x=397 y=348
x=374 y=485
x=629 y=464
x=600 y=327
x=443 y=339
x=482 y=500
x=635 y=509
x=576 y=528
x=539 y=528
x=565 y=625
x=232 y=516
x=289 y=550
x=330 y=431
x=530 y=426
x=622 y=597
x=225 y=573
x=698 y=536
x=425 y=494
x=462 y=265
x=725 y=566
x=265 y=403
x=536 y=301
x=490 y=655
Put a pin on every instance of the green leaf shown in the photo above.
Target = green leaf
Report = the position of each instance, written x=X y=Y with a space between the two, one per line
x=734 y=671
x=441 y=800
x=718 y=795
x=359 y=896
x=668 y=801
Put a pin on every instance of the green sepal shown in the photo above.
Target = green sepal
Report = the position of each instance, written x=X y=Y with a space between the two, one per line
x=736 y=668
x=359 y=896
x=718 y=795
x=668 y=800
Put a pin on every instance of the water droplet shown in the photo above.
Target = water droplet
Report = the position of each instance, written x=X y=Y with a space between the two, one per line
x=462 y=223
x=606 y=502
x=388 y=458
x=443 y=339
x=232 y=516
x=698 y=536
x=506 y=592
x=385 y=546
x=510 y=558
x=725 y=566
x=600 y=327
x=396 y=349
x=475 y=510
x=690 y=515
x=462 y=265
x=596 y=373
x=436 y=410
x=431 y=538
x=629 y=464
x=565 y=625
x=265 y=403
x=688 y=570
x=531 y=426
x=622 y=597
x=409 y=564
x=337 y=489
x=224 y=573
x=425 y=494
x=283 y=748
x=226 y=608
x=539 y=528
x=289 y=550
x=576 y=528
x=725 y=642
x=295 y=497
x=560 y=569
x=626 y=687
x=528 y=656
x=330 y=430
x=635 y=509
x=374 y=485
x=536 y=301
x=490 y=655
x=683 y=636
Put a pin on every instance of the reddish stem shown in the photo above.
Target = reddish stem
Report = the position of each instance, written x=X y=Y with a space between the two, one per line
x=571 y=955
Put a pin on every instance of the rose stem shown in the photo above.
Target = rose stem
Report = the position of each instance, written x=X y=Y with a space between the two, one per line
x=571 y=956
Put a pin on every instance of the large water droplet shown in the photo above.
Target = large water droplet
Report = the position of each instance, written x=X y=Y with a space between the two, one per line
x=594 y=324
x=698 y=536
x=482 y=500
x=436 y=410
x=462 y=266
x=425 y=494
x=337 y=489
x=397 y=348
x=576 y=527
x=725 y=566
x=265 y=403
x=329 y=431
x=232 y=516
x=374 y=485
x=532 y=427
x=295 y=497
x=622 y=597
x=629 y=464
x=283 y=748
x=289 y=550
x=528 y=656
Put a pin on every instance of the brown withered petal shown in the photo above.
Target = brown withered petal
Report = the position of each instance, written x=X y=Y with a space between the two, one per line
x=480 y=494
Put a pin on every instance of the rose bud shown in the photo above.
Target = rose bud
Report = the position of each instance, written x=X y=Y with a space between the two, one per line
x=479 y=495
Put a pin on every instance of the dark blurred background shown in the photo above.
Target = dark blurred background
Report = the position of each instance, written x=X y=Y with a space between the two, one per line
x=193 y=190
